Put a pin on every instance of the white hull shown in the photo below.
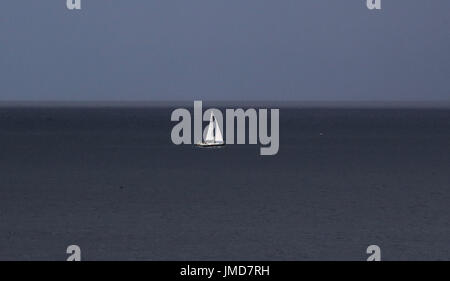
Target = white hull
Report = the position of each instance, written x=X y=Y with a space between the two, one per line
x=209 y=144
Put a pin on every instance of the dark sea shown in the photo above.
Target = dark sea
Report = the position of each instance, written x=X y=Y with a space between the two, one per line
x=110 y=180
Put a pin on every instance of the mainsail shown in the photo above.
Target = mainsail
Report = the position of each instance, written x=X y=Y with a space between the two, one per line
x=213 y=135
x=218 y=133
x=210 y=133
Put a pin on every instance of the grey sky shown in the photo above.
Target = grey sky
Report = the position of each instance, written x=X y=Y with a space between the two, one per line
x=225 y=50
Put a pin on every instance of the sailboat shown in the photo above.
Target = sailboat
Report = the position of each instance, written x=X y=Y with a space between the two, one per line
x=213 y=135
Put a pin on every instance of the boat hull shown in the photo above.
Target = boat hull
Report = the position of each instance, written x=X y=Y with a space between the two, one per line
x=204 y=144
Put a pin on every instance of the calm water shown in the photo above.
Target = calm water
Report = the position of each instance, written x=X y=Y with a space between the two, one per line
x=111 y=181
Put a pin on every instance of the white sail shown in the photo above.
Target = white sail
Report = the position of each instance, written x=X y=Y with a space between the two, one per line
x=218 y=133
x=210 y=133
x=213 y=135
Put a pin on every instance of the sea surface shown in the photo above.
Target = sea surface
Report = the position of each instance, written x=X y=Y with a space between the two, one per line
x=110 y=180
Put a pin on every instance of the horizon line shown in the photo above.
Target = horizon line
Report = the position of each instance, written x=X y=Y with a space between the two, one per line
x=255 y=103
